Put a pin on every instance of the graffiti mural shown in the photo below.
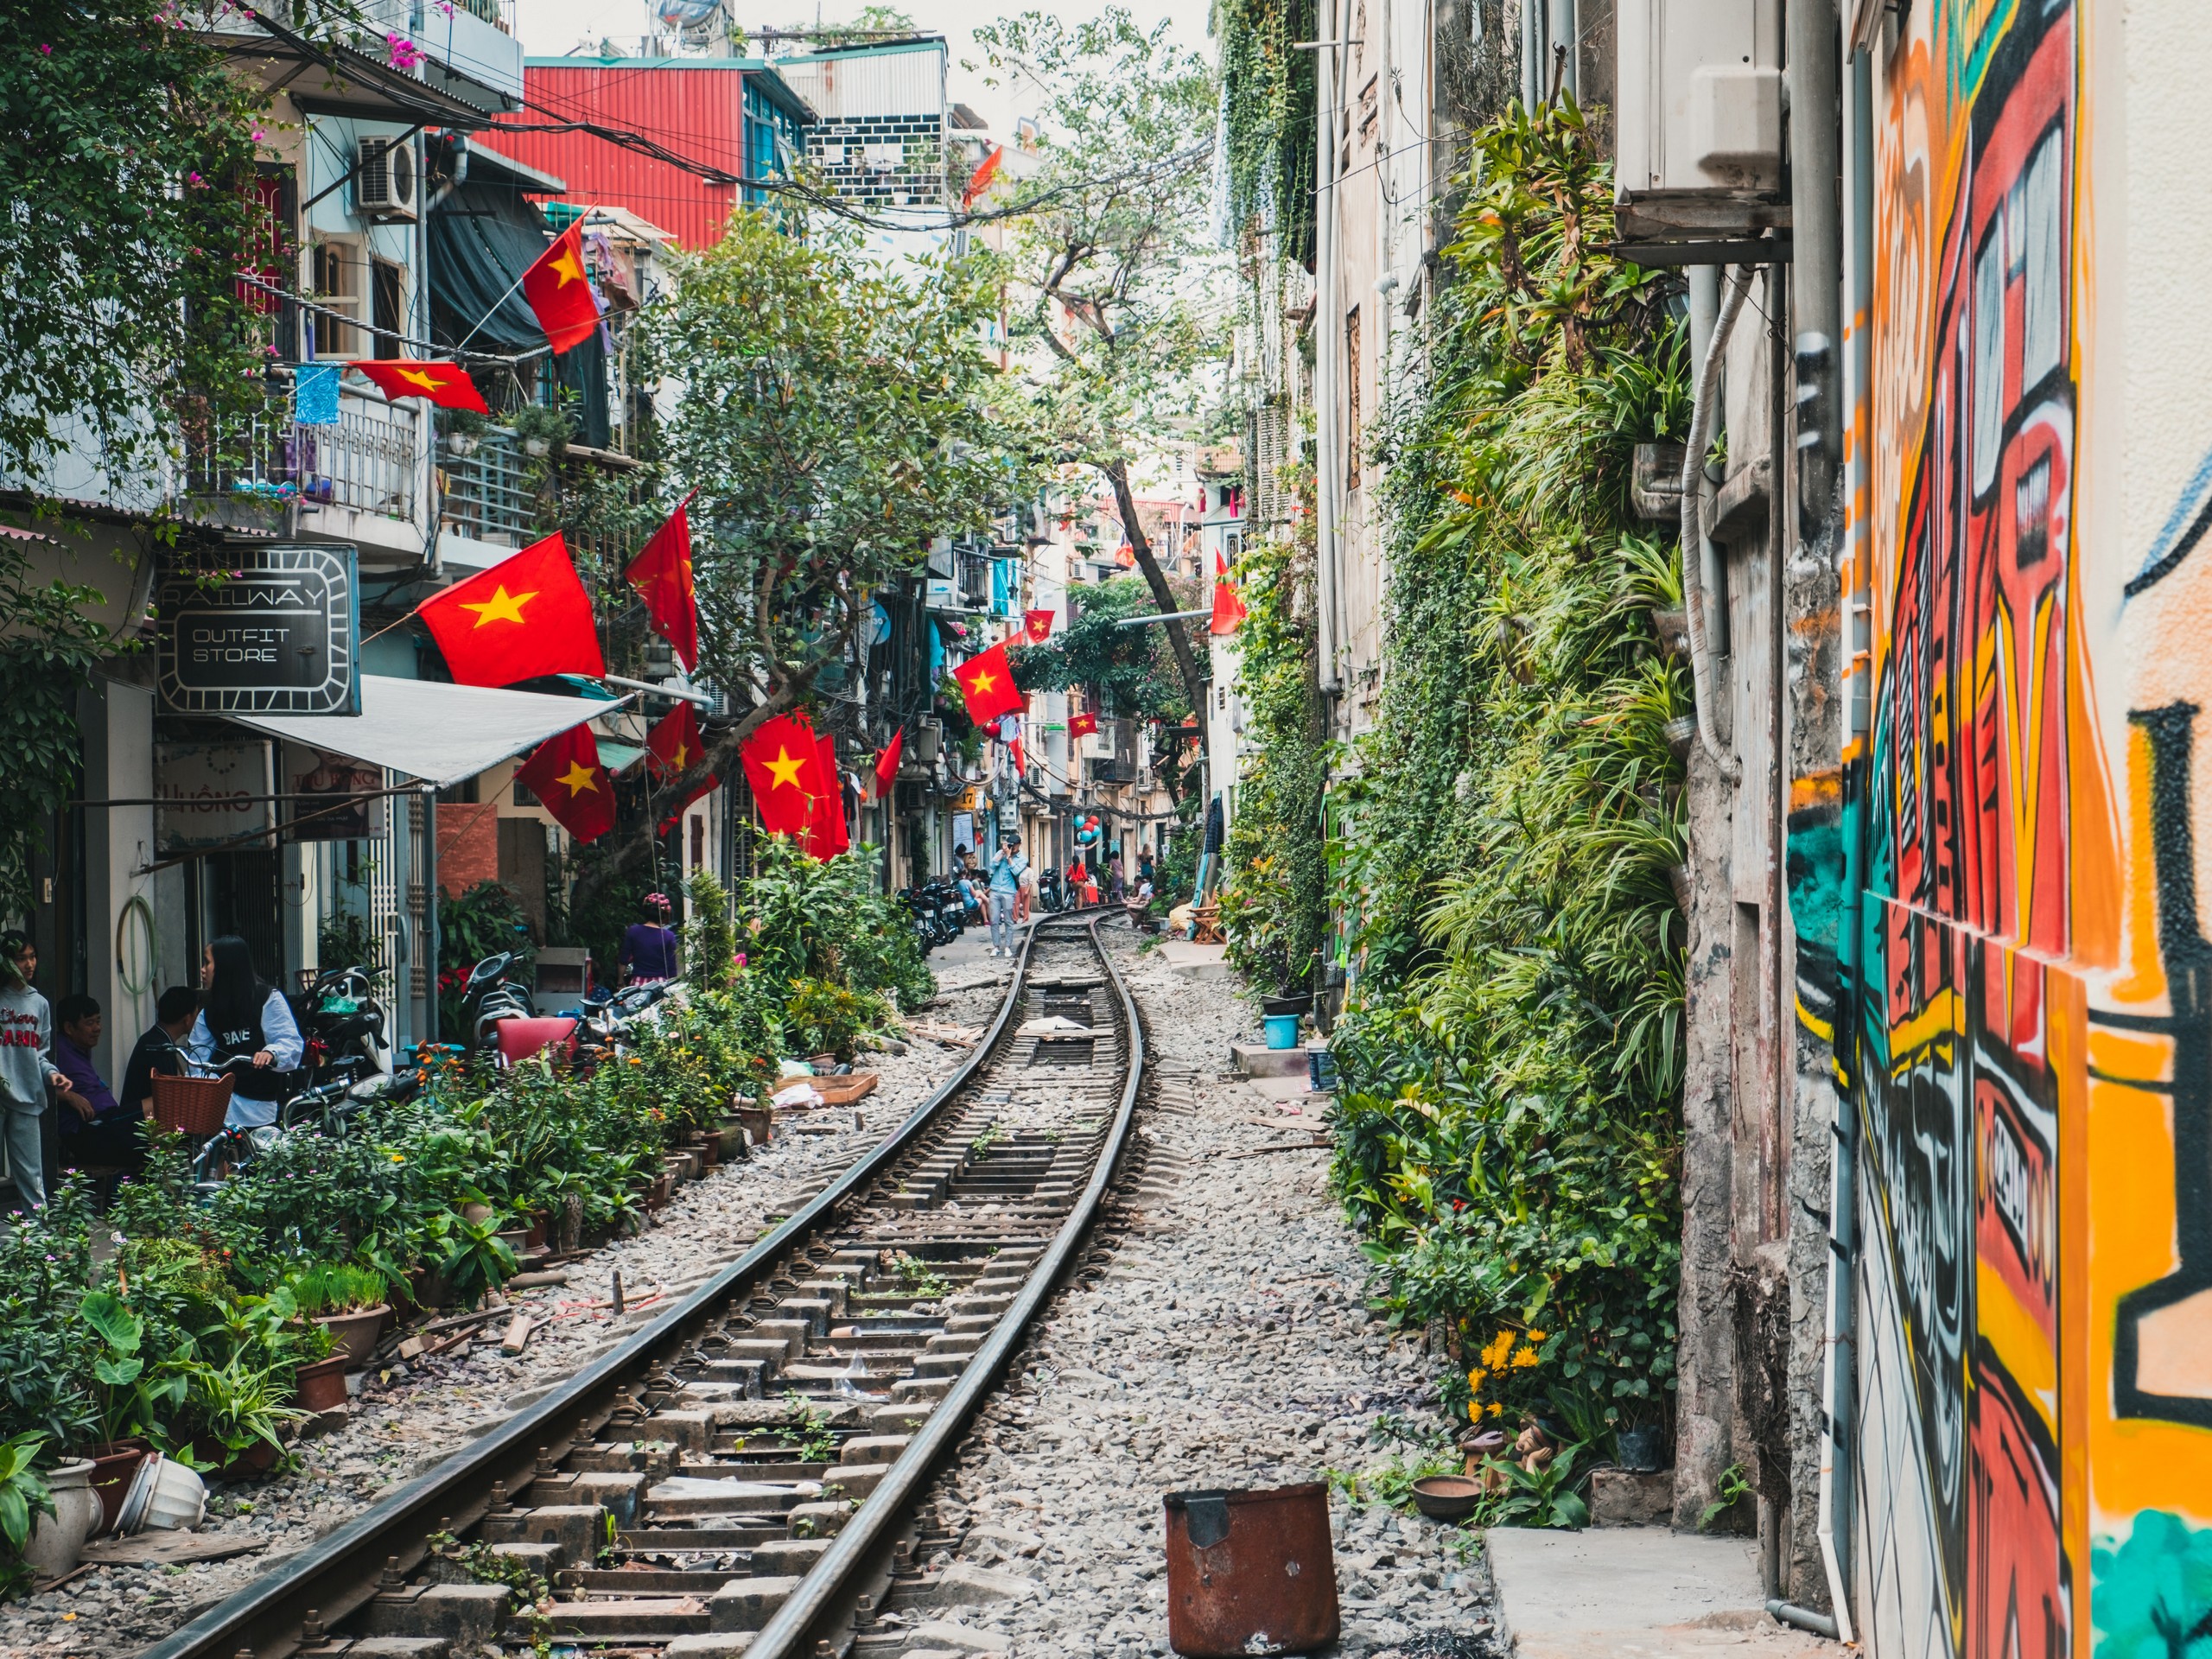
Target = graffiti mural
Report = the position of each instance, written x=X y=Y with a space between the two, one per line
x=2027 y=1031
x=1959 y=1473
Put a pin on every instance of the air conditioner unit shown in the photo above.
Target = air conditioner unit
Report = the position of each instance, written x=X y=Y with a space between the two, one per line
x=384 y=181
x=1698 y=103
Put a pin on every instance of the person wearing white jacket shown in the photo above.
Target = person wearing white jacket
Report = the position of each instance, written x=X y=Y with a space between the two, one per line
x=26 y=1068
x=245 y=1017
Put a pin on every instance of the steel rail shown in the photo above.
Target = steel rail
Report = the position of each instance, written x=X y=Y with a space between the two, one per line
x=824 y=1597
x=338 y=1575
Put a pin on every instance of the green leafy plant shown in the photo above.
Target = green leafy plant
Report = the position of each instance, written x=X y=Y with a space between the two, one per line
x=24 y=1499
x=918 y=1278
x=335 y=1287
x=1730 y=1489
x=984 y=1144
x=475 y=1259
x=1547 y=1496
x=241 y=1405
x=132 y=1388
x=823 y=1018
x=808 y=1430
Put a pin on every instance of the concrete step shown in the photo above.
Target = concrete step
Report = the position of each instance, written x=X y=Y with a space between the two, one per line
x=618 y=1623
x=1258 y=1060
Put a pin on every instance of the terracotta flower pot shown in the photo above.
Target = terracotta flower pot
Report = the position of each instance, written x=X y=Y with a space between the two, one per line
x=534 y=1239
x=356 y=1333
x=114 y=1463
x=322 y=1386
x=252 y=1463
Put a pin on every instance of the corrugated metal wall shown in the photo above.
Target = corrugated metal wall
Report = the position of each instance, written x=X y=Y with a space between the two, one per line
x=694 y=110
x=882 y=82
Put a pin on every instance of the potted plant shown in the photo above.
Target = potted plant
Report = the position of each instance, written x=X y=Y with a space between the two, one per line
x=35 y=1542
x=540 y=430
x=242 y=1407
x=348 y=1301
x=464 y=429
x=476 y=1258
x=131 y=1390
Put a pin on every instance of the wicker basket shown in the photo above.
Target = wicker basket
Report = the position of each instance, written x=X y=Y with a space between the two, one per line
x=192 y=1105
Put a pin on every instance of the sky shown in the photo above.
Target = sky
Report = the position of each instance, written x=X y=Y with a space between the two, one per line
x=551 y=28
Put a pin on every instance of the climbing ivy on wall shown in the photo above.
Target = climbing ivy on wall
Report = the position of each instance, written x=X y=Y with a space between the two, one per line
x=1512 y=1054
x=1269 y=120
x=1274 y=904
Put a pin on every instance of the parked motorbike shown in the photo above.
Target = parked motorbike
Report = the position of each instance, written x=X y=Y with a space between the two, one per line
x=491 y=996
x=343 y=1024
x=939 y=910
x=1051 y=896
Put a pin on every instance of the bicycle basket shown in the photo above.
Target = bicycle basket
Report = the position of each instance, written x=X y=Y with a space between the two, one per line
x=192 y=1105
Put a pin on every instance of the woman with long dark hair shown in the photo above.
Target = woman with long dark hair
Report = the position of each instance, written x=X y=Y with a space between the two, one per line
x=245 y=1016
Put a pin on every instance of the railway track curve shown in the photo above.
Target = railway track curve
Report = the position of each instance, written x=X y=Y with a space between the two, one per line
x=740 y=1476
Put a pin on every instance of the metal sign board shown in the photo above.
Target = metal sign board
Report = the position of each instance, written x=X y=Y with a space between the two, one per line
x=279 y=635
x=336 y=797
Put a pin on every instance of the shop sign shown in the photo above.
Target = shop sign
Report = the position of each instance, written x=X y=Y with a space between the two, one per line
x=335 y=798
x=210 y=793
x=279 y=635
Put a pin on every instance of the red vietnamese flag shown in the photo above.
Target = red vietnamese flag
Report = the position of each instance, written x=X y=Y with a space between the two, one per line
x=560 y=293
x=1227 y=603
x=566 y=777
x=674 y=746
x=1082 y=725
x=826 y=833
x=1020 y=764
x=525 y=616
x=987 y=684
x=780 y=759
x=980 y=180
x=662 y=574
x=446 y=384
x=887 y=764
x=1039 y=625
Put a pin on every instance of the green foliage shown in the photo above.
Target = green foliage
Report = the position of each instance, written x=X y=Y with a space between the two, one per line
x=710 y=938
x=825 y=1019
x=1268 y=93
x=1511 y=1060
x=24 y=1499
x=131 y=142
x=1132 y=667
x=824 y=920
x=1275 y=903
x=482 y=922
x=1547 y=1496
x=334 y=1288
x=808 y=1430
x=834 y=424
x=1733 y=1486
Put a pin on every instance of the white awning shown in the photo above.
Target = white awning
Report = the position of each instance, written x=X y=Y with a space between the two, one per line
x=428 y=729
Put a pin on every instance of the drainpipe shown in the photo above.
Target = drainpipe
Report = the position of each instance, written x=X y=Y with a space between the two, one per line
x=1328 y=341
x=1693 y=530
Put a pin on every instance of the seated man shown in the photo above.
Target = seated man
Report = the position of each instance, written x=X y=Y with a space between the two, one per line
x=95 y=1132
x=160 y=1049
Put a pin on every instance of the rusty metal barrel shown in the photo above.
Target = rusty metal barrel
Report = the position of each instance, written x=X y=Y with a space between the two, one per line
x=1250 y=1572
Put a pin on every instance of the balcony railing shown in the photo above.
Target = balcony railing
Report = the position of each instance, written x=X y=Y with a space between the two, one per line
x=366 y=462
x=482 y=494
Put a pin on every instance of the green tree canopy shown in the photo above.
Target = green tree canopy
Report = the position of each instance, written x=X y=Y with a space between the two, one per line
x=1119 y=288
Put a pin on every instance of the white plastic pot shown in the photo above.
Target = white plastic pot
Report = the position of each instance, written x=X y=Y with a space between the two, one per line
x=58 y=1540
x=166 y=1496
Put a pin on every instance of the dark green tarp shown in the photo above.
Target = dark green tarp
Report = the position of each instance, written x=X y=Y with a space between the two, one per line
x=483 y=237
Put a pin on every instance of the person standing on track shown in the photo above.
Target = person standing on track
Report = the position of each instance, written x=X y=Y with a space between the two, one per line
x=1007 y=868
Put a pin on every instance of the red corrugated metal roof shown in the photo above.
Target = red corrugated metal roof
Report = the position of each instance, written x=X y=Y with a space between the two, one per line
x=698 y=112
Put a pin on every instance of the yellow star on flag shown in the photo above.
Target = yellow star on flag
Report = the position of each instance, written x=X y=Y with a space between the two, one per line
x=567 y=268
x=579 y=778
x=502 y=607
x=682 y=757
x=983 y=681
x=422 y=378
x=784 y=768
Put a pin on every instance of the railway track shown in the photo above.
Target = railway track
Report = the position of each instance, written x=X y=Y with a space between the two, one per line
x=742 y=1475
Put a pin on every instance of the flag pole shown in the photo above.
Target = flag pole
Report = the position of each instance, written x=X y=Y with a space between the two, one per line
x=579 y=221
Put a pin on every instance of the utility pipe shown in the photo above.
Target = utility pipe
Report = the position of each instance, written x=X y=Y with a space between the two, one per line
x=1692 y=534
x=1329 y=335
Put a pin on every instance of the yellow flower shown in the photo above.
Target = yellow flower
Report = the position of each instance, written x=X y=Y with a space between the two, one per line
x=1525 y=1358
x=1474 y=1411
x=1475 y=1377
x=1535 y=1336
x=399 y=1158
x=1494 y=1355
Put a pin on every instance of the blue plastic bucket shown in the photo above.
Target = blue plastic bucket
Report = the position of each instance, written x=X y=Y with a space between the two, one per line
x=1282 y=1030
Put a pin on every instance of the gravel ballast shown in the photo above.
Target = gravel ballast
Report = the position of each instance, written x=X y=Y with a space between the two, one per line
x=408 y=1419
x=1226 y=1344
